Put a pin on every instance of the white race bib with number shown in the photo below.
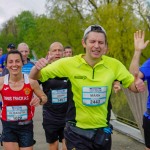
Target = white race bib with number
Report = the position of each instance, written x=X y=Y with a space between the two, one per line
x=15 y=113
x=59 y=96
x=94 y=96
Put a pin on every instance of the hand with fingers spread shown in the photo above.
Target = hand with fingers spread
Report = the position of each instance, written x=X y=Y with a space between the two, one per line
x=139 y=43
x=50 y=58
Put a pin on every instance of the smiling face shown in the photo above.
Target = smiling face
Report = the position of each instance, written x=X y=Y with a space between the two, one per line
x=14 y=64
x=95 y=45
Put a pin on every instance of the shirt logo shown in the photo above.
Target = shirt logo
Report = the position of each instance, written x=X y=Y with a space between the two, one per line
x=27 y=91
x=80 y=77
x=5 y=89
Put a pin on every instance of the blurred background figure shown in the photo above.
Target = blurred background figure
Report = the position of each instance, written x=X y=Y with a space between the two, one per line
x=10 y=47
x=68 y=51
x=1 y=51
x=23 y=48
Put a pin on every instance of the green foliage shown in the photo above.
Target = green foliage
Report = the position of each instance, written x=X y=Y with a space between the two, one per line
x=69 y=27
x=120 y=23
x=8 y=34
x=25 y=21
x=66 y=23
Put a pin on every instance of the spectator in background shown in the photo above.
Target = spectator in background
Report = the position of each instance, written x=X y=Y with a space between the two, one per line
x=1 y=53
x=68 y=51
x=25 y=51
x=10 y=47
x=23 y=48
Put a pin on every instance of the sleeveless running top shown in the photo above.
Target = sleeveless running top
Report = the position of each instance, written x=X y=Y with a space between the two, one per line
x=16 y=104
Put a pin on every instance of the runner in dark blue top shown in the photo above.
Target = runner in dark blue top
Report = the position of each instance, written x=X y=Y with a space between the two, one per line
x=54 y=111
x=144 y=73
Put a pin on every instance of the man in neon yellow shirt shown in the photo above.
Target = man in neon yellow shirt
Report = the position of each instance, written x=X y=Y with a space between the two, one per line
x=91 y=76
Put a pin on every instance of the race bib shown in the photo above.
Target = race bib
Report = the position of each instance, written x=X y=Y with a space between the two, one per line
x=15 y=113
x=59 y=96
x=94 y=96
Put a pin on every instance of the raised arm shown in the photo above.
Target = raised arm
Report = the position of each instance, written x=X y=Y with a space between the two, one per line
x=139 y=45
x=35 y=71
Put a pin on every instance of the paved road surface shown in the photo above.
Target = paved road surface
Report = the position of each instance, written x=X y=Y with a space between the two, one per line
x=120 y=141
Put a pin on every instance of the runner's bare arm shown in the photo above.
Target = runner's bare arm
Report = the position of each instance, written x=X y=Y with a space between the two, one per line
x=41 y=97
x=1 y=82
x=35 y=71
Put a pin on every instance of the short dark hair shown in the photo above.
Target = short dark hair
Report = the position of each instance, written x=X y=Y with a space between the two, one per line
x=11 y=46
x=14 y=52
x=69 y=47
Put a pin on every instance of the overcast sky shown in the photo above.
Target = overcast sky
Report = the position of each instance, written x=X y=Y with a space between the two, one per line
x=11 y=8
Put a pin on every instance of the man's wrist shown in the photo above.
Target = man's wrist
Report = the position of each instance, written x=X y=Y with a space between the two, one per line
x=138 y=50
x=41 y=101
x=37 y=68
x=136 y=88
